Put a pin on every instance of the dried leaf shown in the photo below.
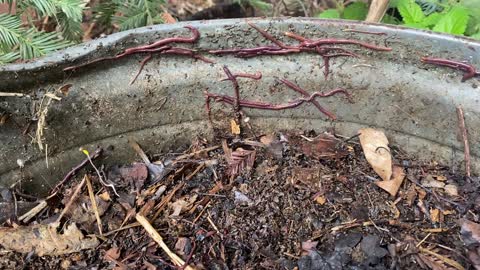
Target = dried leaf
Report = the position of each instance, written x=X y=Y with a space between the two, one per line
x=178 y=207
x=309 y=245
x=323 y=146
x=241 y=159
x=435 y=215
x=235 y=128
x=112 y=254
x=105 y=196
x=375 y=147
x=268 y=139
x=321 y=200
x=45 y=240
x=441 y=177
x=168 y=18
x=308 y=176
x=134 y=175
x=470 y=232
x=181 y=245
x=429 y=182
x=410 y=195
x=65 y=88
x=451 y=190
x=82 y=212
x=392 y=186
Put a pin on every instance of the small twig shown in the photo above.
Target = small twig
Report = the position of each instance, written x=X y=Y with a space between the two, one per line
x=442 y=258
x=72 y=198
x=33 y=212
x=158 y=238
x=5 y=94
x=94 y=203
x=466 y=146
x=100 y=178
x=74 y=170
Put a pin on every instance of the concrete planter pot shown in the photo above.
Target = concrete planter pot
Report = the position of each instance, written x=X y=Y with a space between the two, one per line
x=413 y=102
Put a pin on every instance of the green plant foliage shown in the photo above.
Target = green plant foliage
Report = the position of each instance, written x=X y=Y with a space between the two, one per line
x=261 y=5
x=411 y=12
x=329 y=14
x=355 y=11
x=10 y=31
x=453 y=22
x=104 y=12
x=137 y=13
x=19 y=41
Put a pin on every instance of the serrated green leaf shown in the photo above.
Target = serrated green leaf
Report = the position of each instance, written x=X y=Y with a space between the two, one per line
x=453 y=22
x=355 y=11
x=431 y=19
x=329 y=14
x=410 y=11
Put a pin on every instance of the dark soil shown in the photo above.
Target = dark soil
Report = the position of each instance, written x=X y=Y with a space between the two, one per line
x=302 y=205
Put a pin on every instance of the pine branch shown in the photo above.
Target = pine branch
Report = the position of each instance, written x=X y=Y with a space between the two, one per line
x=104 y=12
x=73 y=9
x=44 y=7
x=37 y=44
x=71 y=29
x=9 y=57
x=137 y=13
x=10 y=30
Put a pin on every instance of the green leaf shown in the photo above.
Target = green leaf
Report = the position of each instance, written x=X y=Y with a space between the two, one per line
x=71 y=29
x=137 y=13
x=355 y=11
x=35 y=44
x=45 y=7
x=10 y=57
x=393 y=3
x=476 y=36
x=261 y=5
x=431 y=19
x=10 y=30
x=73 y=9
x=454 y=22
x=104 y=12
x=410 y=11
x=389 y=19
x=329 y=14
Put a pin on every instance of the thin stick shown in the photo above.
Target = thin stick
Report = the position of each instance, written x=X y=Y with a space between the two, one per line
x=72 y=199
x=442 y=258
x=5 y=94
x=75 y=169
x=466 y=146
x=158 y=238
x=94 y=203
x=33 y=212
